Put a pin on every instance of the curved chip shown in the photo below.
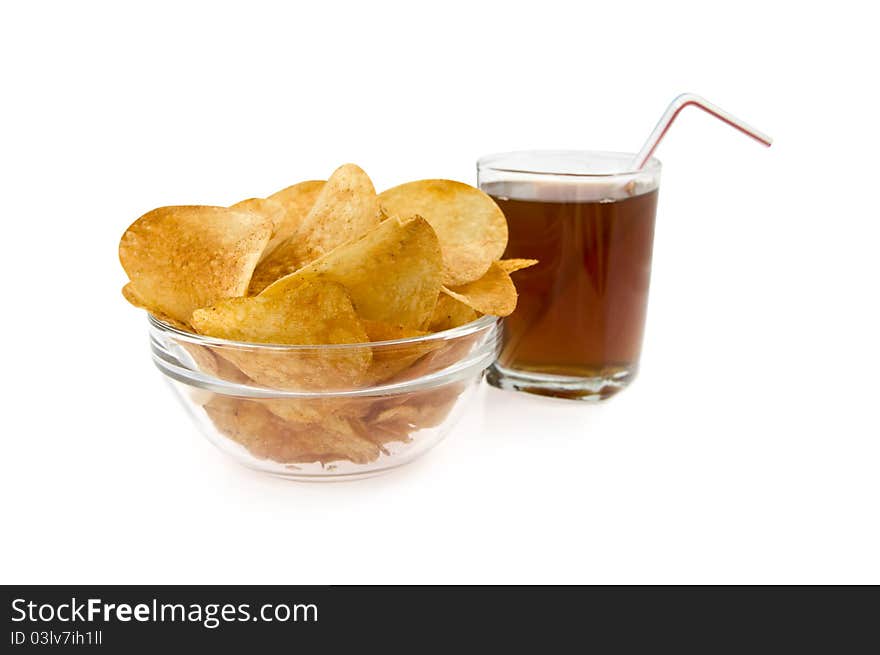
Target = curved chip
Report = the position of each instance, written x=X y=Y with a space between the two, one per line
x=269 y=209
x=493 y=293
x=131 y=296
x=181 y=258
x=513 y=265
x=207 y=361
x=392 y=272
x=380 y=331
x=345 y=208
x=391 y=359
x=471 y=228
x=316 y=409
x=310 y=312
x=268 y=436
x=450 y=313
x=297 y=201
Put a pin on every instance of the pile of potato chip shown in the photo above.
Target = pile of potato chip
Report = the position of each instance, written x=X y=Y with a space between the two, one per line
x=316 y=264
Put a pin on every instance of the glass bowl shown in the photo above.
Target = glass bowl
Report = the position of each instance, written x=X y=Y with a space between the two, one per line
x=326 y=412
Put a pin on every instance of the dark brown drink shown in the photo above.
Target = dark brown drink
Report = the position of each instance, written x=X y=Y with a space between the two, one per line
x=581 y=310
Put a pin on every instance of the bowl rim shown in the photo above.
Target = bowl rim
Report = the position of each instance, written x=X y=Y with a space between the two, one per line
x=444 y=335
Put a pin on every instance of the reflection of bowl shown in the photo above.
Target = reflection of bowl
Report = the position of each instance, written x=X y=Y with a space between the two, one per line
x=326 y=412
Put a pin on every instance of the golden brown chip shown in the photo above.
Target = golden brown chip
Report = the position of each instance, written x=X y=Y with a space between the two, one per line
x=297 y=201
x=295 y=410
x=344 y=210
x=397 y=418
x=446 y=354
x=391 y=359
x=181 y=258
x=406 y=414
x=450 y=313
x=381 y=331
x=383 y=433
x=392 y=272
x=302 y=313
x=513 y=265
x=267 y=436
x=267 y=208
x=204 y=359
x=471 y=228
x=493 y=293
x=390 y=432
x=315 y=311
x=213 y=364
x=131 y=296
x=228 y=371
x=435 y=405
x=314 y=410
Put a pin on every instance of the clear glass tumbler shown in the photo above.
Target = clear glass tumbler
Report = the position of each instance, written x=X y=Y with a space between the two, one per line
x=588 y=218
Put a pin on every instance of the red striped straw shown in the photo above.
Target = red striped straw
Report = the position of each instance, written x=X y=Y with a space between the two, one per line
x=674 y=109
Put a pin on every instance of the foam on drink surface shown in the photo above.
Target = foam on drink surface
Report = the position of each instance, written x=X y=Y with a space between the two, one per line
x=565 y=189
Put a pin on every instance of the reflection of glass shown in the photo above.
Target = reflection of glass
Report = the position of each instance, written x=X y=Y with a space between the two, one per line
x=589 y=220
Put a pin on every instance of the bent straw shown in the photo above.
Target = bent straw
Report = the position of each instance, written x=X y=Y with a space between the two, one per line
x=675 y=107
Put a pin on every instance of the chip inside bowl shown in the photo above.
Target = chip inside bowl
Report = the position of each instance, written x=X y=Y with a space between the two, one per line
x=392 y=272
x=297 y=312
x=471 y=228
x=313 y=312
x=268 y=436
x=267 y=208
x=345 y=208
x=450 y=313
x=297 y=201
x=182 y=258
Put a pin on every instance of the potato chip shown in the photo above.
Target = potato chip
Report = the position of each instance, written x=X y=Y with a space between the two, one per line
x=344 y=210
x=265 y=207
x=435 y=405
x=181 y=258
x=471 y=228
x=386 y=433
x=331 y=440
x=311 y=312
x=493 y=293
x=405 y=414
x=383 y=433
x=392 y=273
x=450 y=313
x=131 y=296
x=317 y=311
x=269 y=437
x=513 y=265
x=442 y=356
x=380 y=331
x=213 y=364
x=297 y=201
x=228 y=371
x=204 y=360
x=390 y=359
x=314 y=410
x=397 y=418
x=294 y=410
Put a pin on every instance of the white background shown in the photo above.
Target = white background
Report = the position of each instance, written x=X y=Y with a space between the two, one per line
x=746 y=452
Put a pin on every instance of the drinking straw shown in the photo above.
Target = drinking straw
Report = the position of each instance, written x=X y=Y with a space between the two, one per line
x=673 y=110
